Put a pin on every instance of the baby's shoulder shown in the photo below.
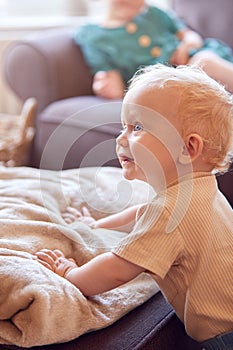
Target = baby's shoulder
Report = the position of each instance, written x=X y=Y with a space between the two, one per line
x=156 y=10
x=87 y=28
x=158 y=13
x=86 y=32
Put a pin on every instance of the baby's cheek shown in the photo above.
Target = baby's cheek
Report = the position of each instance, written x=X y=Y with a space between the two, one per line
x=141 y=154
x=147 y=160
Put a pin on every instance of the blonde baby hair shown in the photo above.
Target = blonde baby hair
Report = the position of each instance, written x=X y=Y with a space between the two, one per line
x=205 y=107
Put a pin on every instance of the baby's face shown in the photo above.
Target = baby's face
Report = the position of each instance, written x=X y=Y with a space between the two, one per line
x=125 y=9
x=149 y=144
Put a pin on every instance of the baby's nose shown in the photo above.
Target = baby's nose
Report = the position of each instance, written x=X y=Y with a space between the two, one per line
x=121 y=140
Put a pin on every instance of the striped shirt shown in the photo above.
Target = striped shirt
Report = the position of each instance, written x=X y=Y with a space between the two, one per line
x=184 y=238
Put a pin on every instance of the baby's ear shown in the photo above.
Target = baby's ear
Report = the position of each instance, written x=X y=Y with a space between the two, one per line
x=192 y=150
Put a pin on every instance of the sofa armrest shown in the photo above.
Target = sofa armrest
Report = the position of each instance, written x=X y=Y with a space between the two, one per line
x=47 y=65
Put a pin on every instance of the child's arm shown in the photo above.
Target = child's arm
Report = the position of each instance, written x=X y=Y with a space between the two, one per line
x=122 y=221
x=188 y=40
x=102 y=273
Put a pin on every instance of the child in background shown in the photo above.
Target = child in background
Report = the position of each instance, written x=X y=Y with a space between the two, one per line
x=134 y=34
x=177 y=130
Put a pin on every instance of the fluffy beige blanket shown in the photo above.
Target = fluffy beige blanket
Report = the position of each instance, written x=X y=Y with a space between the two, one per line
x=38 y=307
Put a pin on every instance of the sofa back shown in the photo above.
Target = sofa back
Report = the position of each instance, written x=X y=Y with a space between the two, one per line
x=211 y=18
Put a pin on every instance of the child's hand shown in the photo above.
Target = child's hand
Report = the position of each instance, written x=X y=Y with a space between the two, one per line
x=109 y=84
x=55 y=261
x=84 y=216
x=180 y=56
x=189 y=40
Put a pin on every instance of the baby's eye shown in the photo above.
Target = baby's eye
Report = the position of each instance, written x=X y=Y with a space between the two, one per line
x=137 y=127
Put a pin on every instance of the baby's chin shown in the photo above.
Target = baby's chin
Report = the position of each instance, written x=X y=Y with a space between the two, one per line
x=131 y=175
x=128 y=175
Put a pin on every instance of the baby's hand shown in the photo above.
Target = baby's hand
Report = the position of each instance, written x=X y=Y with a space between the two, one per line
x=84 y=216
x=55 y=261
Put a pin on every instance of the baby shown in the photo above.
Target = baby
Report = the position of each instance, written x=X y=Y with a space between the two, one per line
x=177 y=131
x=134 y=34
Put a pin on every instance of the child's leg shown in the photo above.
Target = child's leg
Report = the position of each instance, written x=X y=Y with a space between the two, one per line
x=215 y=66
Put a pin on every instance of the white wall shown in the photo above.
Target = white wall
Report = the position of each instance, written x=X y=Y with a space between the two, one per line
x=57 y=7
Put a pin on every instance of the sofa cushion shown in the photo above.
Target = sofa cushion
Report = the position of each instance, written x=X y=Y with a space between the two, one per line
x=78 y=131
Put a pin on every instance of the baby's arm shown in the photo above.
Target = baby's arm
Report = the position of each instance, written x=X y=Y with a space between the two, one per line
x=102 y=273
x=122 y=221
x=188 y=40
x=108 y=84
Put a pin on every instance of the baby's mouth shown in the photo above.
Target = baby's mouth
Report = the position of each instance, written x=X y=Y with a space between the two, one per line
x=126 y=159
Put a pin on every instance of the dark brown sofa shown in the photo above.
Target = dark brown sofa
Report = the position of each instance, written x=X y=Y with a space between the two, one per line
x=76 y=128
x=151 y=326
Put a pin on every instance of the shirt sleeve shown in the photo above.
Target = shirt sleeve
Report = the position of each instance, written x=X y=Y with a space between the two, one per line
x=150 y=245
x=92 y=48
x=172 y=21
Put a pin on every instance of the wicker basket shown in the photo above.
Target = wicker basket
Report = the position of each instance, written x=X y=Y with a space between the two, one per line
x=16 y=135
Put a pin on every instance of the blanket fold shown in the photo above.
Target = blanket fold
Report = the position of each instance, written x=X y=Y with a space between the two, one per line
x=38 y=307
